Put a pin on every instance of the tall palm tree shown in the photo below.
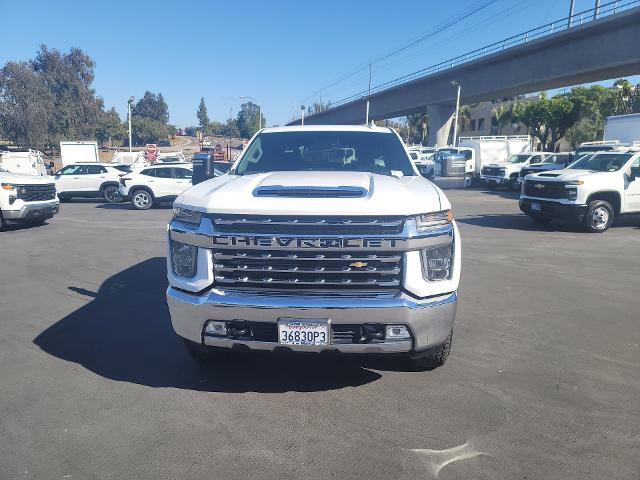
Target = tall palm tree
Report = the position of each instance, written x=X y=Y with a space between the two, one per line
x=464 y=117
x=503 y=115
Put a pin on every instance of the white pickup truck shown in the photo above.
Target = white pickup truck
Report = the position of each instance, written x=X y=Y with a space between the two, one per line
x=508 y=173
x=301 y=249
x=593 y=190
x=26 y=199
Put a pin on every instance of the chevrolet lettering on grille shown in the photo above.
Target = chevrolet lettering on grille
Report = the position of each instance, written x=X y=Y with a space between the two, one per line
x=303 y=243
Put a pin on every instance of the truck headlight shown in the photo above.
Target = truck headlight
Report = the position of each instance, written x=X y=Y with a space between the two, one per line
x=184 y=259
x=437 y=262
x=429 y=220
x=572 y=194
x=503 y=172
x=187 y=216
x=8 y=186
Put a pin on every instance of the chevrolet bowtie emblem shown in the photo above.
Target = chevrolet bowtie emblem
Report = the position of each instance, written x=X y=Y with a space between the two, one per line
x=358 y=264
x=539 y=185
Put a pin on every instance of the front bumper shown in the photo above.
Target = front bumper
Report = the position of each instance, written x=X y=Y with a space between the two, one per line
x=32 y=211
x=429 y=320
x=564 y=211
x=492 y=179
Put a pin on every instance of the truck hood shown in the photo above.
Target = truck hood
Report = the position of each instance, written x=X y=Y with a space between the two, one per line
x=23 y=178
x=562 y=175
x=315 y=193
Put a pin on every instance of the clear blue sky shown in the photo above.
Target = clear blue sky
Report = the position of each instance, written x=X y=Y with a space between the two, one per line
x=276 y=51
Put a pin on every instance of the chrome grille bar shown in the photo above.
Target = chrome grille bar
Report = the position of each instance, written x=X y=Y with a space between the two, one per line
x=306 y=269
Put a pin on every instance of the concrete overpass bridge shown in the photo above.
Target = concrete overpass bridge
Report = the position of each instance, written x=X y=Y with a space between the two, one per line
x=585 y=49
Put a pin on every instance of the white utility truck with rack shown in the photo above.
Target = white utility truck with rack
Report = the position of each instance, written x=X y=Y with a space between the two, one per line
x=473 y=153
x=301 y=248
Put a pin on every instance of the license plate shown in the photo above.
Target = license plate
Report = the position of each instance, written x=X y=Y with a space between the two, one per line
x=536 y=207
x=303 y=332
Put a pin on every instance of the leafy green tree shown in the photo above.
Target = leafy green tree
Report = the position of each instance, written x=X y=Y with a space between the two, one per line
x=68 y=77
x=559 y=115
x=203 y=118
x=147 y=130
x=26 y=105
x=230 y=129
x=152 y=106
x=110 y=127
x=248 y=119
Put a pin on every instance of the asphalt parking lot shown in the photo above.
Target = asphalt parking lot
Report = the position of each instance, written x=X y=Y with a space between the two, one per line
x=543 y=381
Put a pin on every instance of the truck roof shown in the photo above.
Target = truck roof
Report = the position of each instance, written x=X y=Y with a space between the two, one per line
x=327 y=128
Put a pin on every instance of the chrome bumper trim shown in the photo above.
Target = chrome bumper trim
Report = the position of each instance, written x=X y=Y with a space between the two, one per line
x=430 y=320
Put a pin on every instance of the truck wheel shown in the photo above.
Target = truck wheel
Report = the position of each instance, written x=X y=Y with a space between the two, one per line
x=141 y=200
x=539 y=219
x=434 y=358
x=599 y=216
x=203 y=354
x=111 y=194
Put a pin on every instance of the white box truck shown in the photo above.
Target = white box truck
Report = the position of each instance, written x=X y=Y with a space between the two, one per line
x=623 y=128
x=78 y=152
x=28 y=162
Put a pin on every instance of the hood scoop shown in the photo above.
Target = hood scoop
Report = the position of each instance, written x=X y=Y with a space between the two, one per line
x=549 y=174
x=310 y=191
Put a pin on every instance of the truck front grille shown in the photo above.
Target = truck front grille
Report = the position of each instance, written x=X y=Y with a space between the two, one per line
x=536 y=188
x=311 y=270
x=308 y=225
x=493 y=172
x=36 y=193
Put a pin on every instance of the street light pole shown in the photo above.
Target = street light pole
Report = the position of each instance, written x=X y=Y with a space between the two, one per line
x=596 y=10
x=571 y=5
x=302 y=108
x=455 y=125
x=131 y=99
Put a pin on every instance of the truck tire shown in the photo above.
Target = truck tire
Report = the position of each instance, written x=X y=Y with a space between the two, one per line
x=433 y=358
x=539 y=219
x=599 y=217
x=141 y=199
x=111 y=194
x=203 y=354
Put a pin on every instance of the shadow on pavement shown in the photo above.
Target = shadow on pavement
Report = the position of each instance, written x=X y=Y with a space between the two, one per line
x=128 y=206
x=124 y=333
x=516 y=222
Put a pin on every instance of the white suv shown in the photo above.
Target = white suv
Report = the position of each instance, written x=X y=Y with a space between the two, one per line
x=89 y=180
x=152 y=185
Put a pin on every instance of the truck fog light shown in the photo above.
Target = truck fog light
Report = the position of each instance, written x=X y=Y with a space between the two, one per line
x=437 y=262
x=397 y=332
x=572 y=194
x=12 y=199
x=184 y=259
x=214 y=327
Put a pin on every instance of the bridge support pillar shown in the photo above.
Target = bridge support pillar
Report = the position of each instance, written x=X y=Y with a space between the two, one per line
x=440 y=120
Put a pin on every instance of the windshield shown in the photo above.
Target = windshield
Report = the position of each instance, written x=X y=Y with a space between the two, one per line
x=519 y=158
x=603 y=162
x=374 y=152
x=557 y=159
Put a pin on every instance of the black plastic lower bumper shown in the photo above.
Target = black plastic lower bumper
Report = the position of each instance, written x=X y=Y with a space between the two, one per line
x=545 y=208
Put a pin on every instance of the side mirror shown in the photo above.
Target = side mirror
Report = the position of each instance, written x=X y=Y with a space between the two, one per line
x=633 y=173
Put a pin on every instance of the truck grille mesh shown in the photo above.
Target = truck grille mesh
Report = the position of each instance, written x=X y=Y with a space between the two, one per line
x=302 y=269
x=36 y=193
x=536 y=188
